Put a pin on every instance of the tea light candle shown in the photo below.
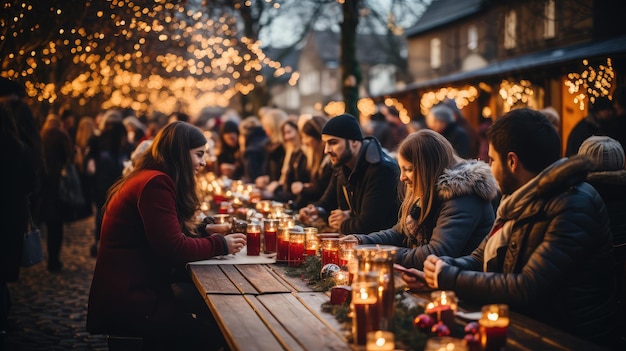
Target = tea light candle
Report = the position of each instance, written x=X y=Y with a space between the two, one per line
x=443 y=307
x=380 y=340
x=493 y=327
x=312 y=241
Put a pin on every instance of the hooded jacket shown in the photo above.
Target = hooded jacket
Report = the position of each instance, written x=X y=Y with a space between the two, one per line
x=460 y=218
x=369 y=191
x=557 y=264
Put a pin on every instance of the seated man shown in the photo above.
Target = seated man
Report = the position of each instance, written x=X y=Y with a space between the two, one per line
x=362 y=196
x=549 y=254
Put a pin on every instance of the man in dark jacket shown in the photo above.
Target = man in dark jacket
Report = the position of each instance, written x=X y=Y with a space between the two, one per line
x=549 y=254
x=362 y=196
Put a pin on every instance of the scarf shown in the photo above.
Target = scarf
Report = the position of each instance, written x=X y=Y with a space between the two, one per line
x=509 y=210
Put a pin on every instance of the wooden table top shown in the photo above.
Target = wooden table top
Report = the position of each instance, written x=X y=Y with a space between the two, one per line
x=259 y=307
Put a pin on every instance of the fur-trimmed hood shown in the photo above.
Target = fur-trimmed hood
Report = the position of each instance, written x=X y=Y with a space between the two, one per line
x=468 y=177
x=608 y=177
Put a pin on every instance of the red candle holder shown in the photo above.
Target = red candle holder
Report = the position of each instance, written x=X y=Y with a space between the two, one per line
x=253 y=234
x=493 y=327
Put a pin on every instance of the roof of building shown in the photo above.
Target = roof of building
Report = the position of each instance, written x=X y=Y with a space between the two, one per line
x=442 y=12
x=546 y=58
x=369 y=47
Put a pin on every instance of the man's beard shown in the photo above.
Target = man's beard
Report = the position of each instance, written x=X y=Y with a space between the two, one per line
x=508 y=183
x=345 y=156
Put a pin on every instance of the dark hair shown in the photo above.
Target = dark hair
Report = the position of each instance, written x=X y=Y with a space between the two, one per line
x=529 y=134
x=169 y=153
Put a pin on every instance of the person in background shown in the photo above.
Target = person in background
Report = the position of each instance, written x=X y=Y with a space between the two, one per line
x=229 y=155
x=362 y=194
x=447 y=207
x=600 y=121
x=85 y=135
x=252 y=140
x=57 y=152
x=317 y=163
x=553 y=116
x=18 y=155
x=109 y=157
x=294 y=165
x=147 y=234
x=135 y=131
x=441 y=119
x=619 y=102
x=549 y=254
x=380 y=128
x=271 y=120
x=68 y=118
x=462 y=122
x=397 y=128
x=609 y=179
x=178 y=116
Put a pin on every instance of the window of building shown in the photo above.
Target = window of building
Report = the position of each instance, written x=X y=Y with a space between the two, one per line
x=472 y=38
x=435 y=53
x=549 y=21
x=510 y=26
x=309 y=83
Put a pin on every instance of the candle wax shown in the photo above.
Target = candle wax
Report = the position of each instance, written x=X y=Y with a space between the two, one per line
x=254 y=243
x=270 y=241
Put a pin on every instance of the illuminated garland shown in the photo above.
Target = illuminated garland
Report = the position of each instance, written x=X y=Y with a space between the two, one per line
x=592 y=82
x=143 y=54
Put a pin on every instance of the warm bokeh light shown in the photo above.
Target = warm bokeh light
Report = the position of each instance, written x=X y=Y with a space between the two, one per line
x=154 y=55
x=592 y=82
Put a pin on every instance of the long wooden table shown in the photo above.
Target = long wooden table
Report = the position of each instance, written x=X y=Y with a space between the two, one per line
x=259 y=307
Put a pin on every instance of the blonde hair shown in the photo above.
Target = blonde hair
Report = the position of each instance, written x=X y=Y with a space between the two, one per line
x=272 y=120
x=430 y=154
x=85 y=130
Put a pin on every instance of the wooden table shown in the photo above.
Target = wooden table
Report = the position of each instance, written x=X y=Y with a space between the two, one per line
x=259 y=307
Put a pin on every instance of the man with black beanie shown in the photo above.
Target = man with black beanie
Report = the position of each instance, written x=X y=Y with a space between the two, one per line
x=362 y=195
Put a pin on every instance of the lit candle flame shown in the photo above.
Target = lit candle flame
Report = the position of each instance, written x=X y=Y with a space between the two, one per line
x=492 y=316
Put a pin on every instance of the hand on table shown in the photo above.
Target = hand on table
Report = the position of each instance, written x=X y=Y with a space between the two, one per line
x=432 y=267
x=308 y=214
x=235 y=242
x=337 y=217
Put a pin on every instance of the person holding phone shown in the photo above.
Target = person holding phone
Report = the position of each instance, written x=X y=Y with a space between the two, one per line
x=447 y=207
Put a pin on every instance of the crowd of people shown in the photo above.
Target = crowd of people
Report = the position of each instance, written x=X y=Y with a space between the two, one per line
x=497 y=215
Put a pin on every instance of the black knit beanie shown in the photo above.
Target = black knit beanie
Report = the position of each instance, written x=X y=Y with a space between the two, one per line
x=344 y=126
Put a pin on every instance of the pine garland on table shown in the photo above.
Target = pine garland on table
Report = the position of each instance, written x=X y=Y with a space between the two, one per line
x=406 y=335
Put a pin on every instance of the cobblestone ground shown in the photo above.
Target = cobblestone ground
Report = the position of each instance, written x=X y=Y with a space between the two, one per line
x=49 y=310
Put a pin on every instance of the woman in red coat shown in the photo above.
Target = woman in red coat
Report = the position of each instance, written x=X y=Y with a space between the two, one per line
x=146 y=237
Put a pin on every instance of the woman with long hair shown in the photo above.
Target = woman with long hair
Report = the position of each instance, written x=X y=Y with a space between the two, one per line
x=294 y=165
x=148 y=235
x=447 y=208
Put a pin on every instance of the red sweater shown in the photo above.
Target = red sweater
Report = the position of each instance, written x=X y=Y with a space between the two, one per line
x=141 y=243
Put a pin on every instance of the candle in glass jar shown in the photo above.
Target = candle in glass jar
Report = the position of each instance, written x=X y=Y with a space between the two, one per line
x=330 y=251
x=311 y=241
x=366 y=315
x=270 y=228
x=380 y=340
x=442 y=307
x=253 y=239
x=282 y=251
x=493 y=327
x=296 y=246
